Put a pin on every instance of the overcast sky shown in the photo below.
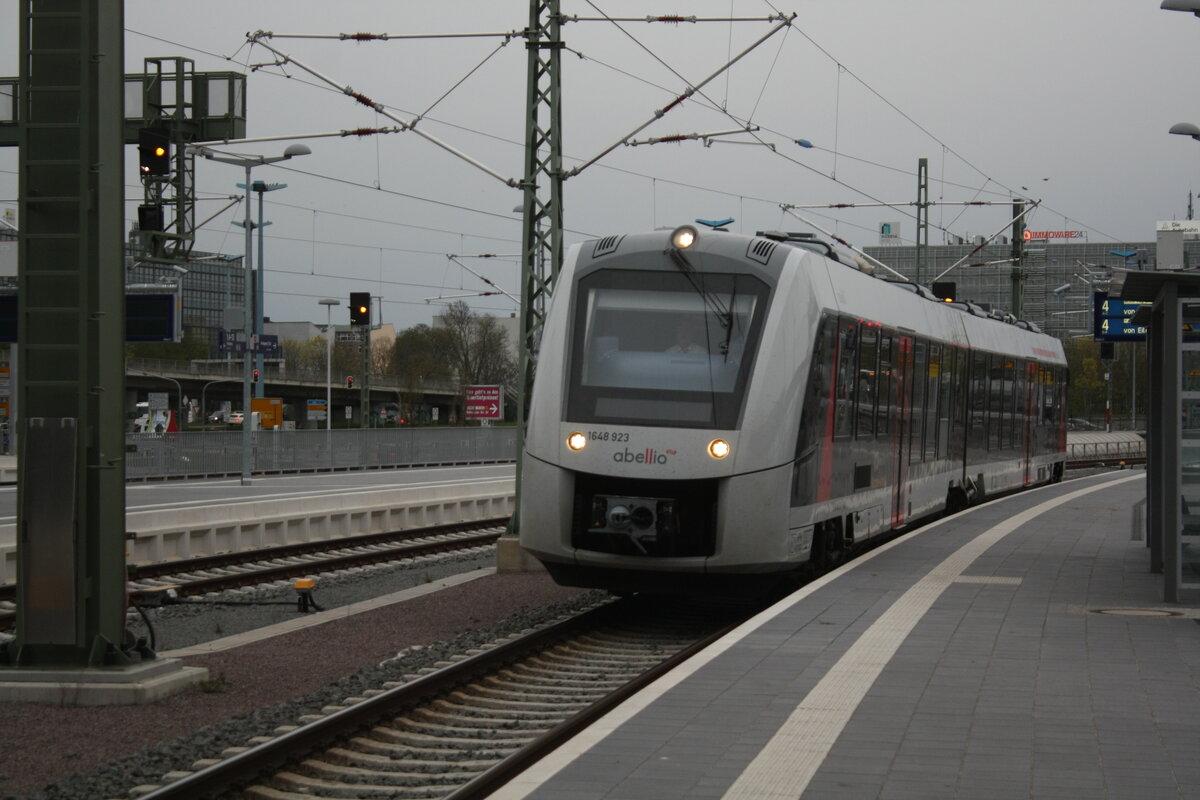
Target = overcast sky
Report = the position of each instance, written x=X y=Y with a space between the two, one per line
x=1067 y=101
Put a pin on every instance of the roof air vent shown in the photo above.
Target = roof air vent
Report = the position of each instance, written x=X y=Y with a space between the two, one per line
x=606 y=246
x=760 y=250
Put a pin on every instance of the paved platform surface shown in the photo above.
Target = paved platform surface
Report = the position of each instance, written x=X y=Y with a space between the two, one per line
x=1021 y=649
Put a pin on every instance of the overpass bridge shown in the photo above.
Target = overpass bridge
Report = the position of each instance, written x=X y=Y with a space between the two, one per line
x=211 y=383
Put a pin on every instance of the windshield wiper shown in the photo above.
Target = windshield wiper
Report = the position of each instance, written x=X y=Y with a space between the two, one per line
x=712 y=301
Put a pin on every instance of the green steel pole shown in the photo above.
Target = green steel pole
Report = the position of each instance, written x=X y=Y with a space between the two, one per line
x=71 y=337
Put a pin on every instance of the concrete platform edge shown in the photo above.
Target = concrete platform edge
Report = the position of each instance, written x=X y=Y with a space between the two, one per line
x=136 y=685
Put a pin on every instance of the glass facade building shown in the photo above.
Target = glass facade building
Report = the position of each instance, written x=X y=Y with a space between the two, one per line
x=210 y=283
x=1060 y=278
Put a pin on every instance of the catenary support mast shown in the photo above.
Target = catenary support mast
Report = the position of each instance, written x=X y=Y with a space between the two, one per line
x=541 y=238
x=71 y=337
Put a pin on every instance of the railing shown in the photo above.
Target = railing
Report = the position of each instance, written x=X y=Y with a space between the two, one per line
x=276 y=371
x=1116 y=446
x=207 y=453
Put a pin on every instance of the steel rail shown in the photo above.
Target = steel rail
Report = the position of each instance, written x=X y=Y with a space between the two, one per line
x=197 y=586
x=243 y=768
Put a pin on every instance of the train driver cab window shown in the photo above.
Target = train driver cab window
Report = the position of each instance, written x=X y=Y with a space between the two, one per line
x=654 y=348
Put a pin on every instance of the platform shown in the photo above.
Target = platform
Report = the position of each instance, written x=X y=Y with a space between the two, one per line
x=1020 y=649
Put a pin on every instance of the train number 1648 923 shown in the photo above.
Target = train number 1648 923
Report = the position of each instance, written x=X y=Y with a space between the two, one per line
x=607 y=436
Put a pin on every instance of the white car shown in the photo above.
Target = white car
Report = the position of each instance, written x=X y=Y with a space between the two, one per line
x=236 y=418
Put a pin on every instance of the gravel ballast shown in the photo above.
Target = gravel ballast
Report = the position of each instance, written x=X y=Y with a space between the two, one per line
x=55 y=753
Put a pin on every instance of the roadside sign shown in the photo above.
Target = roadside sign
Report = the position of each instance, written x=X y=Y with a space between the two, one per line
x=268 y=345
x=228 y=342
x=158 y=401
x=316 y=410
x=485 y=402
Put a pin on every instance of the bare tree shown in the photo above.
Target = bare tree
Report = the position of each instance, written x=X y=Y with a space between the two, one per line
x=476 y=347
x=307 y=355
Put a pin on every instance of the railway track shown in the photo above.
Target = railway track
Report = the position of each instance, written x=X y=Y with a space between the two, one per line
x=200 y=576
x=466 y=728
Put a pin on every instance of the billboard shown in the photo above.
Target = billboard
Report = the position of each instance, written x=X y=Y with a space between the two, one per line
x=484 y=402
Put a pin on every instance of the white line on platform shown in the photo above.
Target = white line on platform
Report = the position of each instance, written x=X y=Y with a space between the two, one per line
x=785 y=766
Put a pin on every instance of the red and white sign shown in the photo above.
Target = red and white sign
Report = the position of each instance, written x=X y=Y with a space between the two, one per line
x=1032 y=235
x=485 y=402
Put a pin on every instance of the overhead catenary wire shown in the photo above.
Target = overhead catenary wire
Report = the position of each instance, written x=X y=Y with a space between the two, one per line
x=742 y=195
x=410 y=125
x=668 y=181
x=488 y=281
x=844 y=243
x=386 y=37
x=989 y=239
x=687 y=93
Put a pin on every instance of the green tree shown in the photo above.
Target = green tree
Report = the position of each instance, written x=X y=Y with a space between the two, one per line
x=418 y=355
x=1088 y=392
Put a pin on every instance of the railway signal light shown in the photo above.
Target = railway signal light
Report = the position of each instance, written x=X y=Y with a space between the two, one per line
x=360 y=308
x=154 y=152
x=150 y=217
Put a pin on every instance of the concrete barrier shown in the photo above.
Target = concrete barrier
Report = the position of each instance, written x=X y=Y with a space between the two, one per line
x=175 y=534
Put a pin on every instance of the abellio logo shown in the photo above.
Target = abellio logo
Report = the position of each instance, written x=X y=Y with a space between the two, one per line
x=647 y=456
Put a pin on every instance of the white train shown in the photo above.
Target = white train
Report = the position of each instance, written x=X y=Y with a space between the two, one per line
x=714 y=408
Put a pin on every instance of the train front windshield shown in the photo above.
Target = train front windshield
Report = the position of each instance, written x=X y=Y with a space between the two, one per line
x=664 y=348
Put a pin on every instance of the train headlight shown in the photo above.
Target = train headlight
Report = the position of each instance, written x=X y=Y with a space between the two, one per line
x=683 y=237
x=576 y=441
x=719 y=448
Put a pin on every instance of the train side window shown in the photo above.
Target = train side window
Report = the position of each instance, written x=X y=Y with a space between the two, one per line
x=958 y=405
x=977 y=425
x=847 y=354
x=933 y=429
x=1020 y=404
x=885 y=388
x=815 y=415
x=867 y=390
x=1008 y=383
x=946 y=402
x=916 y=420
x=995 y=401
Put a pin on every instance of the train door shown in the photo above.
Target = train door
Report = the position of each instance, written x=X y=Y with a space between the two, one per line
x=901 y=395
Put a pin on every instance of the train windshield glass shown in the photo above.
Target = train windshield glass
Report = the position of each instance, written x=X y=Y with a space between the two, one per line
x=653 y=348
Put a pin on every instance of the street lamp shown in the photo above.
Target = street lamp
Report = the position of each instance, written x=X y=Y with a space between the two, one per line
x=248 y=328
x=1186 y=129
x=1191 y=6
x=178 y=388
x=204 y=390
x=260 y=295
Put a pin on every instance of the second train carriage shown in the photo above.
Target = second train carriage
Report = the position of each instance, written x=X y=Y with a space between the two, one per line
x=720 y=408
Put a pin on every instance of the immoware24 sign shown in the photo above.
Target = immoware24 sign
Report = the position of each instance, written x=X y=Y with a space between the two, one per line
x=485 y=402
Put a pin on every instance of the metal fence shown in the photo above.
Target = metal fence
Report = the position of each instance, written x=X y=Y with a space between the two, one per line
x=201 y=453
